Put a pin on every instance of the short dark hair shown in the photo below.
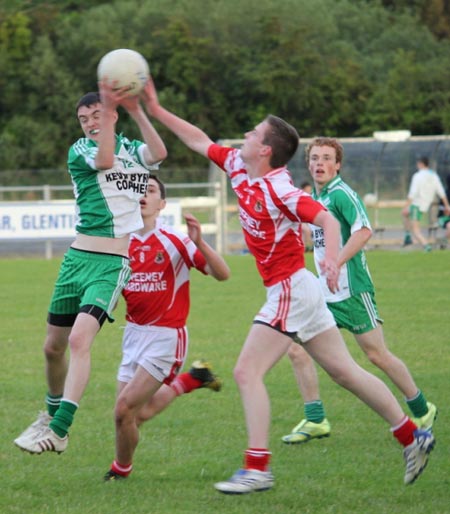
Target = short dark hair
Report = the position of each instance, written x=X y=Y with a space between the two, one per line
x=162 y=187
x=88 y=99
x=282 y=138
x=424 y=160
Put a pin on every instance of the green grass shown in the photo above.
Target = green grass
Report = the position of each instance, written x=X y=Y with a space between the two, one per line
x=200 y=439
x=391 y=217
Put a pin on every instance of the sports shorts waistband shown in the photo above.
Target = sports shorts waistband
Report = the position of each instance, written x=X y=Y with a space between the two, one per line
x=151 y=328
x=94 y=256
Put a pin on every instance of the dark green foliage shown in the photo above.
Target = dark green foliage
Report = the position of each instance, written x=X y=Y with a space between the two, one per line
x=343 y=68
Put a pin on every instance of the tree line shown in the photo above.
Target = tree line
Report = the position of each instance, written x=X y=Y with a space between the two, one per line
x=329 y=67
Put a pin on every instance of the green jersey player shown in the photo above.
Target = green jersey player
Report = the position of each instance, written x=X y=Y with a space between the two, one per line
x=353 y=305
x=109 y=175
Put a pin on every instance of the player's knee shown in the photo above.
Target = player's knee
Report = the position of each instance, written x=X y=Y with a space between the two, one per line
x=342 y=377
x=241 y=375
x=377 y=357
x=374 y=358
x=54 y=350
x=238 y=375
x=298 y=355
x=141 y=417
x=122 y=411
x=78 y=343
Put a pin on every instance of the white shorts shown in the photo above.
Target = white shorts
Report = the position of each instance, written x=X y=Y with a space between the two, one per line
x=161 y=351
x=296 y=306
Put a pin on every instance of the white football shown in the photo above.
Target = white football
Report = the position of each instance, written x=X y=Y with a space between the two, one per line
x=126 y=67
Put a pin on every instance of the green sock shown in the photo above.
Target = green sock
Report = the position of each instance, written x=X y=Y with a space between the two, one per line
x=53 y=403
x=63 y=418
x=314 y=411
x=418 y=405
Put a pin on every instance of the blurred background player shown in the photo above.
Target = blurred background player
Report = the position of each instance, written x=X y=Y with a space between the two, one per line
x=155 y=340
x=353 y=305
x=425 y=185
x=109 y=174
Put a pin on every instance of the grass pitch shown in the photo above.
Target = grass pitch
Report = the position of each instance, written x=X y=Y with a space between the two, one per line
x=200 y=439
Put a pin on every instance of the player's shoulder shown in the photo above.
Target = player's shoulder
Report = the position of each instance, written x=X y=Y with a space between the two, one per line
x=171 y=231
x=223 y=150
x=81 y=152
x=281 y=179
x=226 y=157
x=341 y=189
x=344 y=197
x=81 y=145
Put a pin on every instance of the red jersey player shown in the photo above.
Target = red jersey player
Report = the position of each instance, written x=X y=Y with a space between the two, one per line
x=155 y=341
x=271 y=211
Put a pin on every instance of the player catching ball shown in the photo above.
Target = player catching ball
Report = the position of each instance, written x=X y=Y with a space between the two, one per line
x=110 y=174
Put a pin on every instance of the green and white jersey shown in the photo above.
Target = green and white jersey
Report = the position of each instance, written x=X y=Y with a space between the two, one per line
x=346 y=206
x=107 y=201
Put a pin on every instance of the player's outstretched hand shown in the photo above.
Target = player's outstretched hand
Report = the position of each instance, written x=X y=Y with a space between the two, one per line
x=194 y=228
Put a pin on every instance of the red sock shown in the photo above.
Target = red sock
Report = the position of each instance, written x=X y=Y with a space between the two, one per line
x=185 y=383
x=404 y=432
x=120 y=469
x=257 y=458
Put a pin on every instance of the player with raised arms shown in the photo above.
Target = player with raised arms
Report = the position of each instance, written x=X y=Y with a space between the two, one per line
x=271 y=211
x=109 y=173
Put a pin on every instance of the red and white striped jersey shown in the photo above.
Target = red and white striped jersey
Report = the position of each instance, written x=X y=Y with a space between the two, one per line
x=158 y=290
x=271 y=210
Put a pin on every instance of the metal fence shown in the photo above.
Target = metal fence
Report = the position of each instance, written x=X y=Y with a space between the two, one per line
x=381 y=168
x=370 y=165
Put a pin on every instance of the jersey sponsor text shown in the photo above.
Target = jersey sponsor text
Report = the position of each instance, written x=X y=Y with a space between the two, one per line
x=251 y=225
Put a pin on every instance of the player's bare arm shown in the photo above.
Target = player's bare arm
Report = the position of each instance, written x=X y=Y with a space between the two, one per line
x=405 y=209
x=355 y=243
x=216 y=266
x=155 y=150
x=189 y=134
x=110 y=99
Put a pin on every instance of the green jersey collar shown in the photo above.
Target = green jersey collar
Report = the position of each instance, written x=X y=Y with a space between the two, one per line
x=326 y=187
